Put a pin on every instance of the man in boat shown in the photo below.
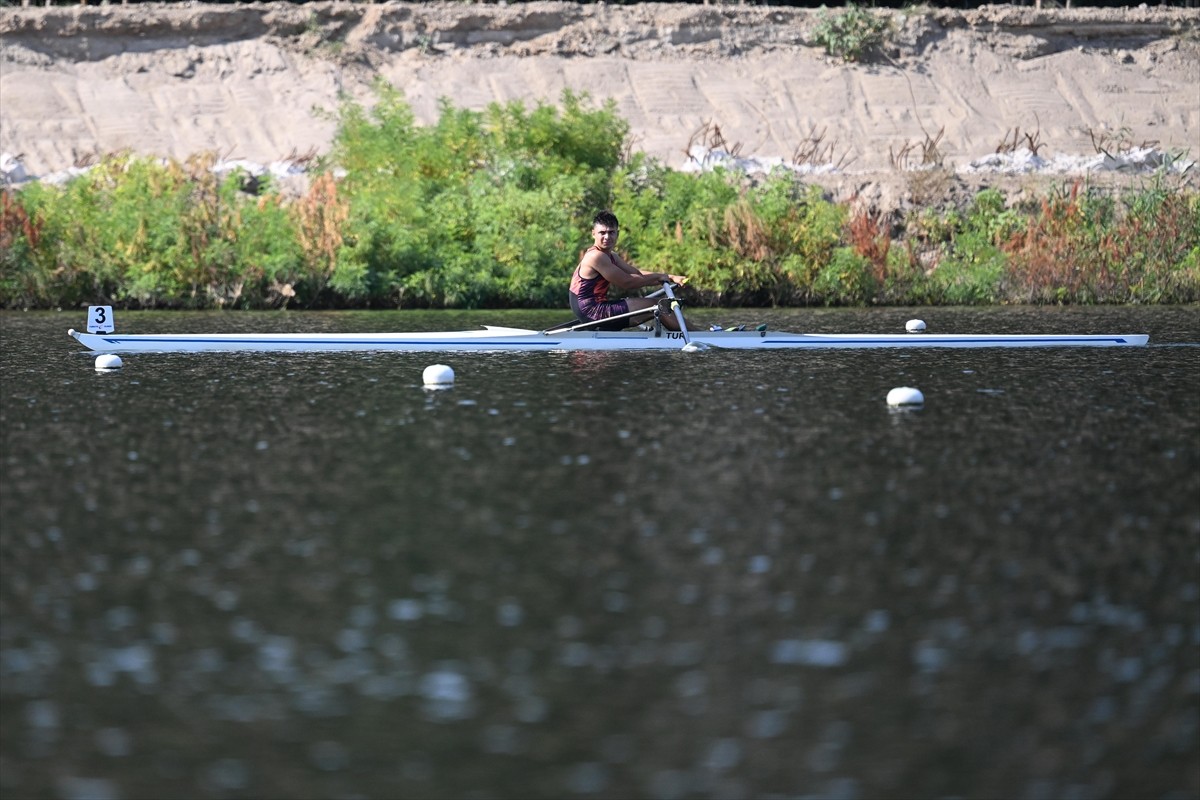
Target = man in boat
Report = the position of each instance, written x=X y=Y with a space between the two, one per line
x=601 y=268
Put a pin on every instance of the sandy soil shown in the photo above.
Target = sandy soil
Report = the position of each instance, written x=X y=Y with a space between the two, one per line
x=246 y=81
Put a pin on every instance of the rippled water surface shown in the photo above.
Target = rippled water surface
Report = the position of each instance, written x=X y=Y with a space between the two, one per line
x=660 y=575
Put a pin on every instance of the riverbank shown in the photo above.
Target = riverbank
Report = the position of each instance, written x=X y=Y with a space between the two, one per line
x=917 y=124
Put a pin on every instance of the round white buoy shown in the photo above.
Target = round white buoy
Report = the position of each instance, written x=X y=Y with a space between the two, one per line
x=915 y=326
x=107 y=361
x=438 y=375
x=905 y=396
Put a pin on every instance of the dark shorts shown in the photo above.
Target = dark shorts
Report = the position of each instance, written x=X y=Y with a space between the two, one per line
x=594 y=312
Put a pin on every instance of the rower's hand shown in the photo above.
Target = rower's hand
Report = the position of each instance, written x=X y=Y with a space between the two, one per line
x=679 y=280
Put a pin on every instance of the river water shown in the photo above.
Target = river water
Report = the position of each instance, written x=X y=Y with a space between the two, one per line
x=662 y=575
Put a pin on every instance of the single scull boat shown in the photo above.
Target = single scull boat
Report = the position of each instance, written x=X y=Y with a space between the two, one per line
x=498 y=339
x=572 y=335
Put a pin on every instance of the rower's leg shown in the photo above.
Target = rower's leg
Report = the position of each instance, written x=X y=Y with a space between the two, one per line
x=640 y=304
x=668 y=316
x=661 y=310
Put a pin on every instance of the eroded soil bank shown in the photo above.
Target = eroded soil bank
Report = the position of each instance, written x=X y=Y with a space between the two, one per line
x=250 y=81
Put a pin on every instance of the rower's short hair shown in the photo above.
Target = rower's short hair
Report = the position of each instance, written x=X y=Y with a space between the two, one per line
x=606 y=218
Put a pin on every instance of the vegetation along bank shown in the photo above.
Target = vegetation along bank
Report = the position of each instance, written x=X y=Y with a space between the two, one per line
x=491 y=208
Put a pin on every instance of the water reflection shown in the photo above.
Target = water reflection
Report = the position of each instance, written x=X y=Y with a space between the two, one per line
x=633 y=575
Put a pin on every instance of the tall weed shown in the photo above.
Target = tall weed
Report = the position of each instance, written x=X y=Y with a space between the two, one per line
x=1080 y=247
x=320 y=223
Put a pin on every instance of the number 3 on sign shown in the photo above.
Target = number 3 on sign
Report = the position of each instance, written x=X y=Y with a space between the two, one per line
x=100 y=319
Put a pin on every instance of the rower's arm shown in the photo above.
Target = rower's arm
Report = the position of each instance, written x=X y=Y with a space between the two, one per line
x=658 y=277
x=620 y=274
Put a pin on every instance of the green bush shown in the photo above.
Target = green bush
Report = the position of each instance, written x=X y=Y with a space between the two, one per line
x=739 y=243
x=476 y=210
x=852 y=34
x=668 y=221
x=972 y=274
x=140 y=232
x=845 y=280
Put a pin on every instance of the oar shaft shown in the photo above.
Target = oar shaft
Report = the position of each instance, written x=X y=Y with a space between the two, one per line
x=687 y=339
x=579 y=326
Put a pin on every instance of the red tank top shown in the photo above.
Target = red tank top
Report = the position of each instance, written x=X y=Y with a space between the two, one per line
x=591 y=290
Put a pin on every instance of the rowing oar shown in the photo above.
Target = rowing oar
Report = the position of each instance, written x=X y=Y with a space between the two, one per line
x=688 y=344
x=576 y=325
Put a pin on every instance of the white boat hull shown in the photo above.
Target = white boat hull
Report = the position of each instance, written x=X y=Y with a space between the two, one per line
x=492 y=339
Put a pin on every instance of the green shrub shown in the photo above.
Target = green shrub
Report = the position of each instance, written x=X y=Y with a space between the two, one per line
x=142 y=232
x=972 y=274
x=846 y=280
x=475 y=210
x=852 y=34
x=668 y=221
x=740 y=243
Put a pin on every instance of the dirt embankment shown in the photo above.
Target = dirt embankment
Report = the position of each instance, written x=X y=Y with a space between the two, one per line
x=950 y=87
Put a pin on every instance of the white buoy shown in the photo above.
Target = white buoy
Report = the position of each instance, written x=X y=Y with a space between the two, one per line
x=438 y=375
x=107 y=361
x=905 y=396
x=915 y=326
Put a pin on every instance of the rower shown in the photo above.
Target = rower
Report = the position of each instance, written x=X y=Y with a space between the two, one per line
x=600 y=268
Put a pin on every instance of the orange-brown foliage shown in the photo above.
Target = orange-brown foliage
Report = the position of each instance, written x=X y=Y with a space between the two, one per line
x=321 y=215
x=14 y=220
x=870 y=235
x=745 y=232
x=1066 y=252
